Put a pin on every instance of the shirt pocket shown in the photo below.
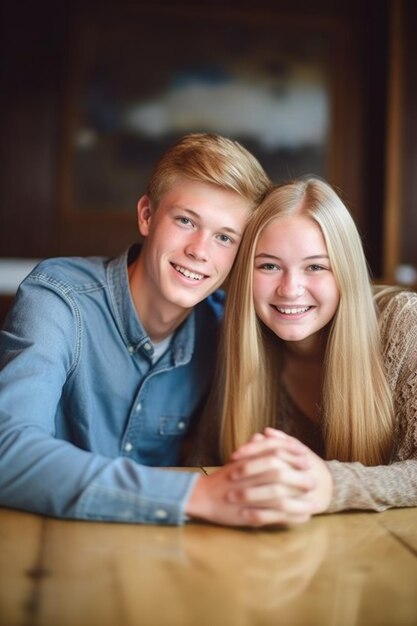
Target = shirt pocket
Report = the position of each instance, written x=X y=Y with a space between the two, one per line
x=173 y=425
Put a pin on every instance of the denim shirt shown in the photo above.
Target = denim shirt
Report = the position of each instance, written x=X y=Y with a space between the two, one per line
x=84 y=413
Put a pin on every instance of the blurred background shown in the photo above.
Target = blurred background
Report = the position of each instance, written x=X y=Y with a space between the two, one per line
x=92 y=94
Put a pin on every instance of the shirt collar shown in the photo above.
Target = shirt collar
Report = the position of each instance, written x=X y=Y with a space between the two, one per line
x=127 y=319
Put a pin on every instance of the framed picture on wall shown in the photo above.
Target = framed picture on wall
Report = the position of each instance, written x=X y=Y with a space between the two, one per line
x=141 y=77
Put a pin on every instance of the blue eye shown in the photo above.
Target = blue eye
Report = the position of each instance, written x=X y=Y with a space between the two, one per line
x=225 y=238
x=184 y=221
x=268 y=266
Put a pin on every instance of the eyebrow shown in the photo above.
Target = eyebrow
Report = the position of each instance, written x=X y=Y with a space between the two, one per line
x=197 y=216
x=312 y=257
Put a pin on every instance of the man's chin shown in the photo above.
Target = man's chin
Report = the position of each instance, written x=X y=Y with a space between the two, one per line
x=191 y=300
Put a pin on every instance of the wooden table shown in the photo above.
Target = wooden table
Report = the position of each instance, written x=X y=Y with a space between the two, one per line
x=348 y=569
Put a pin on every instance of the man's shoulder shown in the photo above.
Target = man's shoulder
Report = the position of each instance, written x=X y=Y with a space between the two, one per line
x=70 y=272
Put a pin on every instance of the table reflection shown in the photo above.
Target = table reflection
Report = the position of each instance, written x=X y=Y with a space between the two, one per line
x=339 y=570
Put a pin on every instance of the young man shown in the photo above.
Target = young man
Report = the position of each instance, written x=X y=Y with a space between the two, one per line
x=105 y=362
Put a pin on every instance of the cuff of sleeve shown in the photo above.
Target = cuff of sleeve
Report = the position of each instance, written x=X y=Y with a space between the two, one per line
x=347 y=493
x=159 y=498
x=339 y=489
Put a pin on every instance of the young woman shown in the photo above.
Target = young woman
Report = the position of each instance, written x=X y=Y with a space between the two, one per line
x=313 y=351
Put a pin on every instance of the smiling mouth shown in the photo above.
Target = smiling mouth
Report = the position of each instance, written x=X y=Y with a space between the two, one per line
x=187 y=273
x=293 y=310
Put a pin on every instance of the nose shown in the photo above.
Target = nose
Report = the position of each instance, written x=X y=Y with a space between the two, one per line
x=289 y=286
x=197 y=247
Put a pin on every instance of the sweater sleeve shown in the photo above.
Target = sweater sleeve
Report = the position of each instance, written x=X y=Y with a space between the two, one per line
x=395 y=485
x=374 y=488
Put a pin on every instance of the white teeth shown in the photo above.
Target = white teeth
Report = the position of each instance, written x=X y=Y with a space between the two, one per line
x=292 y=311
x=188 y=274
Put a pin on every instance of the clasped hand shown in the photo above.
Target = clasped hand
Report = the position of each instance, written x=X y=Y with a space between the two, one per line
x=271 y=479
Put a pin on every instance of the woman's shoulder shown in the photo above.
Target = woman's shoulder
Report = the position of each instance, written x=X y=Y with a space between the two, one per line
x=394 y=301
x=397 y=318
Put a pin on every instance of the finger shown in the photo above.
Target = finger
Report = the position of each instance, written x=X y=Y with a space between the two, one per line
x=257 y=437
x=258 y=517
x=255 y=465
x=269 y=444
x=279 y=463
x=271 y=490
x=273 y=433
x=270 y=496
x=297 y=461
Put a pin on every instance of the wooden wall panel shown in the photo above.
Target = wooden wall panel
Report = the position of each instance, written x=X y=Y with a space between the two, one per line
x=34 y=64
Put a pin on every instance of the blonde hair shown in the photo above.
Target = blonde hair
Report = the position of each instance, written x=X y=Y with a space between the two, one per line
x=209 y=158
x=357 y=406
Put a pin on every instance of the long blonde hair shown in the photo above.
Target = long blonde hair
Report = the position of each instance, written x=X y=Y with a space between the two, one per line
x=357 y=406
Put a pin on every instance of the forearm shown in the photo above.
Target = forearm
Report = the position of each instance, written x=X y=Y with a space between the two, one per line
x=41 y=474
x=356 y=486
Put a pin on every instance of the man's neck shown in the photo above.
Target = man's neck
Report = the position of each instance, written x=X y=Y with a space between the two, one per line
x=158 y=319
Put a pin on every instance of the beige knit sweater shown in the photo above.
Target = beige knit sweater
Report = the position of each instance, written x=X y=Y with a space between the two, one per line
x=357 y=486
x=393 y=485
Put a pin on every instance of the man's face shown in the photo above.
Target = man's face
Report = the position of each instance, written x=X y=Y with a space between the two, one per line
x=191 y=242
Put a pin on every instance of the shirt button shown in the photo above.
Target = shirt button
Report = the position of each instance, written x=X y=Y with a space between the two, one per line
x=147 y=346
x=131 y=349
x=160 y=514
x=128 y=447
x=138 y=407
x=181 y=425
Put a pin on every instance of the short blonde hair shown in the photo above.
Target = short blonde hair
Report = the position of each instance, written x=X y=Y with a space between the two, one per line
x=209 y=158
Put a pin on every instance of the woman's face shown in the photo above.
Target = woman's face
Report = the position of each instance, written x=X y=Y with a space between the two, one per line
x=295 y=292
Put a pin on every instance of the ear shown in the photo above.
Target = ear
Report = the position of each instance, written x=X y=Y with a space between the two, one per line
x=144 y=215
